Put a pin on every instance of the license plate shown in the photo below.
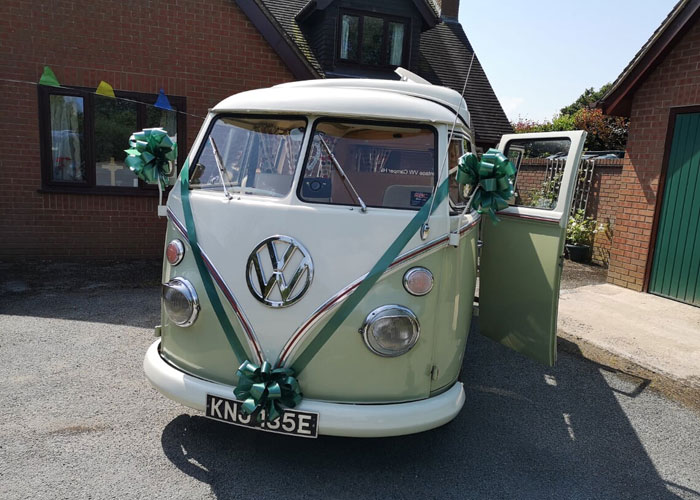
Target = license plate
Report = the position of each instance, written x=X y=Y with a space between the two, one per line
x=292 y=422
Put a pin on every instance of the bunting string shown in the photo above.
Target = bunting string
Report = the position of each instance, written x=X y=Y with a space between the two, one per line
x=88 y=92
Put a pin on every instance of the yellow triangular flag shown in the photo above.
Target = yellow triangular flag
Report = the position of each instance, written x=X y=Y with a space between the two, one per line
x=105 y=89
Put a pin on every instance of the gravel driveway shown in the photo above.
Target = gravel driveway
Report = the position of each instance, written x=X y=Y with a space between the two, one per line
x=79 y=420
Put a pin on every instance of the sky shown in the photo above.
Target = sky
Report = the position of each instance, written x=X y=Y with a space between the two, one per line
x=541 y=55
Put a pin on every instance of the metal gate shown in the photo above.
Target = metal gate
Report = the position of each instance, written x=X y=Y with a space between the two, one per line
x=675 y=271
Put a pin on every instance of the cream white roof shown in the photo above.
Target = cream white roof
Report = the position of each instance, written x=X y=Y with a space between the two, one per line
x=362 y=98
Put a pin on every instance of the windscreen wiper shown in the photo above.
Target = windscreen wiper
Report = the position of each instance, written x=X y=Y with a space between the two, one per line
x=346 y=181
x=220 y=166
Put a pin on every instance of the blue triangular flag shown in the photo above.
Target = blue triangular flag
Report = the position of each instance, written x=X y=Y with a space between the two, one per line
x=162 y=101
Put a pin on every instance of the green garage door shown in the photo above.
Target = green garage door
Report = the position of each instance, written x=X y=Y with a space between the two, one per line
x=676 y=265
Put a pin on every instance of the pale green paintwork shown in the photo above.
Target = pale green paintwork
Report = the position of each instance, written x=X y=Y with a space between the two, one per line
x=519 y=285
x=345 y=370
x=366 y=377
x=455 y=305
x=200 y=349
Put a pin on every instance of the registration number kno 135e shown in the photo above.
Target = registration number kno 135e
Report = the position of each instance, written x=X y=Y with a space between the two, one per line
x=292 y=422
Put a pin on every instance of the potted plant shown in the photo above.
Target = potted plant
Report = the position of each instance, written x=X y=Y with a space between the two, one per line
x=579 y=236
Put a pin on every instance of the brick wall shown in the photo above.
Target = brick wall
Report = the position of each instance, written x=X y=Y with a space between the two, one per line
x=602 y=200
x=204 y=50
x=675 y=82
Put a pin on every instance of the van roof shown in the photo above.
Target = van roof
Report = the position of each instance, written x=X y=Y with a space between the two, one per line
x=356 y=97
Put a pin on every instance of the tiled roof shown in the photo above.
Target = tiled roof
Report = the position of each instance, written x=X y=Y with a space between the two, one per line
x=445 y=55
x=284 y=14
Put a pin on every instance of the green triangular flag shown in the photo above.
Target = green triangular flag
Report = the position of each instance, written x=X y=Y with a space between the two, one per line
x=48 y=78
x=105 y=89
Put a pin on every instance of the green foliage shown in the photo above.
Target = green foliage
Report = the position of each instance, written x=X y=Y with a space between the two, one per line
x=604 y=132
x=546 y=196
x=588 y=99
x=558 y=123
x=581 y=229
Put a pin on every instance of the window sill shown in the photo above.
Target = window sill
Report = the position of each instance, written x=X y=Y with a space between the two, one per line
x=101 y=191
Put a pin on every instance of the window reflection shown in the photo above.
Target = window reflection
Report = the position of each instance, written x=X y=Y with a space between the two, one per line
x=259 y=155
x=115 y=121
x=389 y=166
x=67 y=138
x=372 y=39
x=540 y=167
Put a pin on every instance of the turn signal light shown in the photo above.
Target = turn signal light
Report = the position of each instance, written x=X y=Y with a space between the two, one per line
x=418 y=281
x=174 y=252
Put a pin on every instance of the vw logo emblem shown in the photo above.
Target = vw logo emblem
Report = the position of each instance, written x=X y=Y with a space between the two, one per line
x=279 y=271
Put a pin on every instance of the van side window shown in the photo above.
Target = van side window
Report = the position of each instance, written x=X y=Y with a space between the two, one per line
x=259 y=155
x=390 y=166
x=458 y=192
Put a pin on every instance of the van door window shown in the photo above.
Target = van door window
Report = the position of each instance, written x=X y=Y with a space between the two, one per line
x=258 y=155
x=390 y=166
x=540 y=167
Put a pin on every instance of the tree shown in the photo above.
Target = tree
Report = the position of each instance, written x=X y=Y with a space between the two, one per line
x=604 y=132
x=588 y=99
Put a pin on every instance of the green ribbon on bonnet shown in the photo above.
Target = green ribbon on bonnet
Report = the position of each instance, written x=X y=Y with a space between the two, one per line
x=262 y=388
x=493 y=177
x=152 y=155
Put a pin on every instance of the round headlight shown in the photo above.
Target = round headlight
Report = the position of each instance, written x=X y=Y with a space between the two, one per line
x=174 y=252
x=391 y=330
x=418 y=281
x=180 y=301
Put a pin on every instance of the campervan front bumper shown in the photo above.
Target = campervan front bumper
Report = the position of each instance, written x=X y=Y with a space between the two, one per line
x=335 y=419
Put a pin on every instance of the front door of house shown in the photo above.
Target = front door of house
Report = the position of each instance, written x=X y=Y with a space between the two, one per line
x=675 y=271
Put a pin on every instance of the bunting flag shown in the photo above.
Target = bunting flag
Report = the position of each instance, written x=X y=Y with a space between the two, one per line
x=105 y=89
x=162 y=102
x=48 y=78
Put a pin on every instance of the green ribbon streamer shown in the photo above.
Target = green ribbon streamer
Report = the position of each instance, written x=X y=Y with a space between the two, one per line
x=151 y=155
x=275 y=388
x=493 y=177
x=375 y=273
x=207 y=280
x=262 y=388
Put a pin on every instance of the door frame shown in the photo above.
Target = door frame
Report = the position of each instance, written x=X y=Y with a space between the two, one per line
x=668 y=144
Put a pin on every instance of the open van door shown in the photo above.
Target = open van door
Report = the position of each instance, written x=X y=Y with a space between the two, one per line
x=522 y=255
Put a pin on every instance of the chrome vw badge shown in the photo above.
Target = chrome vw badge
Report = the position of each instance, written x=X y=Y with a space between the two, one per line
x=279 y=271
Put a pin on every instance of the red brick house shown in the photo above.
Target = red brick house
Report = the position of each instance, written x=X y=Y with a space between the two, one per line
x=656 y=241
x=67 y=192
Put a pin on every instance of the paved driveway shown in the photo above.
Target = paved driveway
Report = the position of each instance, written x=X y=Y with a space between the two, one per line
x=80 y=421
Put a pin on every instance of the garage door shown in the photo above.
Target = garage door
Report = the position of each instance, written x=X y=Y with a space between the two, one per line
x=676 y=263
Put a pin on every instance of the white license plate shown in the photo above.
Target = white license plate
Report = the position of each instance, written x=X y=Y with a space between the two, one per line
x=292 y=422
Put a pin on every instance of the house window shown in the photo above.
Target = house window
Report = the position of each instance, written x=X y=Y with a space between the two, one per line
x=372 y=39
x=84 y=135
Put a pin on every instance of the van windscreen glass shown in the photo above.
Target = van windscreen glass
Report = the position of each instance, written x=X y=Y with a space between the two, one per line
x=389 y=165
x=257 y=155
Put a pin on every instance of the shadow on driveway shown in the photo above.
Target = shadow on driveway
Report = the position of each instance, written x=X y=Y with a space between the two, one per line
x=115 y=292
x=526 y=431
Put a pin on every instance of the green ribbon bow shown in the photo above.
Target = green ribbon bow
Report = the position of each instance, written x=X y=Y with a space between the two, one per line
x=493 y=177
x=262 y=388
x=151 y=155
